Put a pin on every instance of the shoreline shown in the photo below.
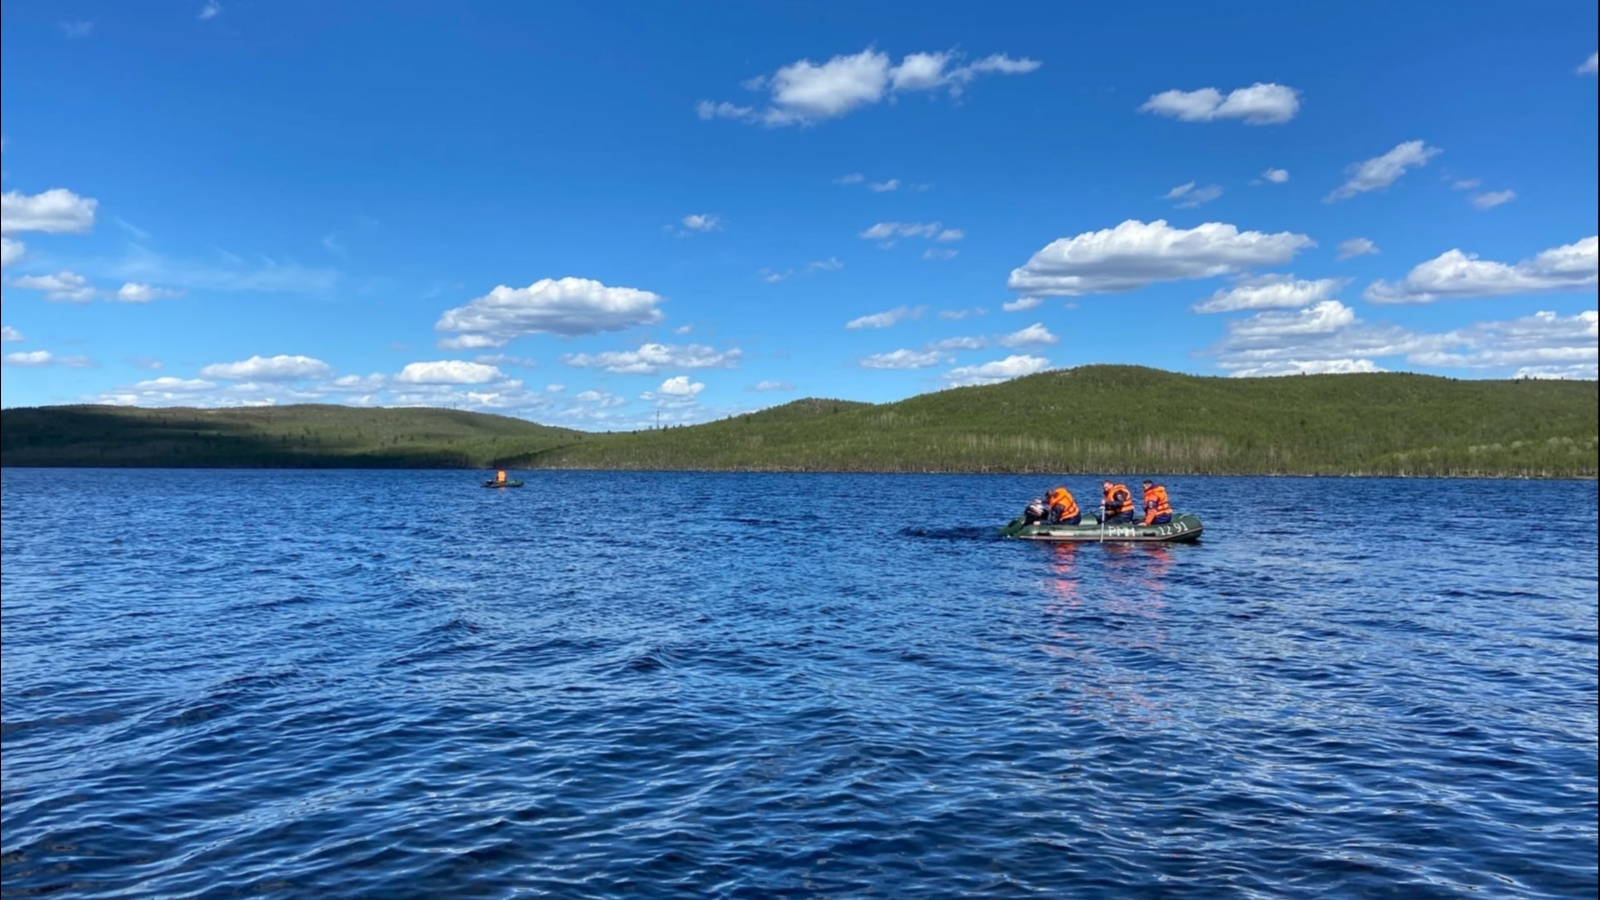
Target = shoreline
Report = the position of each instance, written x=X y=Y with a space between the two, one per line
x=999 y=473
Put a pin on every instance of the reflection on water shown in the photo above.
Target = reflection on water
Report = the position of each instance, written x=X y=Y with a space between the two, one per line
x=396 y=684
x=1125 y=605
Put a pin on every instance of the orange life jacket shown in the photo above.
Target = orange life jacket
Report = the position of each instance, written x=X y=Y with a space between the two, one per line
x=500 y=475
x=1118 y=500
x=1062 y=506
x=1155 y=503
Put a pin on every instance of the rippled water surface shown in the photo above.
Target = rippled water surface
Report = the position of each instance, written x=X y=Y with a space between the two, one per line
x=398 y=684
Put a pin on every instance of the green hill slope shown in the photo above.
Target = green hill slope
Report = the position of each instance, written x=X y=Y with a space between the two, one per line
x=1131 y=419
x=298 y=436
x=1090 y=419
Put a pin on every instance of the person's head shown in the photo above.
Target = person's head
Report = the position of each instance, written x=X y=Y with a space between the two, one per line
x=1105 y=485
x=1148 y=483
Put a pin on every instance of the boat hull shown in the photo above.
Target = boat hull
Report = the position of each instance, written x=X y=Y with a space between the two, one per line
x=502 y=484
x=1184 y=527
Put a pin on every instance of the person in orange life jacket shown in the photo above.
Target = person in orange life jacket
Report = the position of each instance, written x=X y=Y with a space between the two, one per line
x=1063 y=509
x=1157 y=509
x=1035 y=512
x=500 y=476
x=1117 y=504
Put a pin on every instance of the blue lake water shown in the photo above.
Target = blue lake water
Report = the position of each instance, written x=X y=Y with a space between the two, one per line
x=398 y=684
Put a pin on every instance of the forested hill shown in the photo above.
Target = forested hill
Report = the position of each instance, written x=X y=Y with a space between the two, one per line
x=1132 y=419
x=1088 y=419
x=297 y=436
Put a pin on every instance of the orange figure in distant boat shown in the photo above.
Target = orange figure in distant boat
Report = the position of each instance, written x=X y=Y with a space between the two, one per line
x=501 y=481
x=1157 y=509
x=1117 y=503
x=1063 y=508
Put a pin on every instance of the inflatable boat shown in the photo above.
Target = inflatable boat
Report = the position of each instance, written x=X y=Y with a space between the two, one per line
x=1183 y=527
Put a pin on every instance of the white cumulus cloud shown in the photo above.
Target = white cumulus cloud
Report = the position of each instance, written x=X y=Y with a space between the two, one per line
x=675 y=391
x=9 y=335
x=999 y=370
x=807 y=92
x=269 y=368
x=11 y=251
x=1544 y=341
x=890 y=231
x=885 y=319
x=133 y=292
x=1330 y=338
x=1326 y=316
x=1590 y=66
x=566 y=306
x=601 y=399
x=883 y=187
x=1033 y=335
x=902 y=359
x=1355 y=247
x=1308 y=367
x=702 y=222
x=1271 y=292
x=1382 y=171
x=1491 y=199
x=1190 y=197
x=448 y=371
x=62 y=287
x=1325 y=338
x=764 y=386
x=1275 y=176
x=1454 y=275
x=651 y=358
x=32 y=359
x=959 y=314
x=171 y=384
x=56 y=211
x=966 y=343
x=1135 y=254
x=1258 y=104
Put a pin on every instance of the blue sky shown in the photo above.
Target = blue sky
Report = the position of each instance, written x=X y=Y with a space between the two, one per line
x=592 y=214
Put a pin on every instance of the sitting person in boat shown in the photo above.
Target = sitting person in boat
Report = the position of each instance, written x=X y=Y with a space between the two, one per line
x=1157 y=509
x=1035 y=512
x=1063 y=508
x=1116 y=505
x=499 y=476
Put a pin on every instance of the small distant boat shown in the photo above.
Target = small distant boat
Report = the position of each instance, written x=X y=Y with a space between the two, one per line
x=1183 y=527
x=491 y=483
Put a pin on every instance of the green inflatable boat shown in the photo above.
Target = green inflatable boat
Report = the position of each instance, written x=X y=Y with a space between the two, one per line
x=491 y=483
x=1183 y=527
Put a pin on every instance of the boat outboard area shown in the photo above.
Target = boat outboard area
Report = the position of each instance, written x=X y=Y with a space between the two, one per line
x=1182 y=528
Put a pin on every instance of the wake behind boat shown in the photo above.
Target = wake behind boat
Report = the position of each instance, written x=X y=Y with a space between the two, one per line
x=1184 y=527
